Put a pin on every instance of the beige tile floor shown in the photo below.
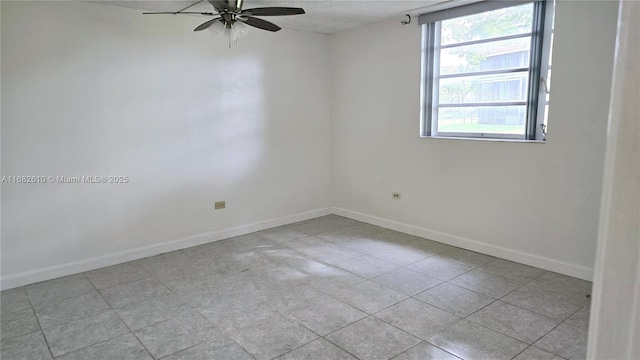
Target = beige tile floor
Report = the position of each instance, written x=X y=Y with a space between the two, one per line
x=327 y=288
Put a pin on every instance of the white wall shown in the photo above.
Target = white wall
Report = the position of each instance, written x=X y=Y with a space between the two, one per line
x=93 y=89
x=98 y=90
x=615 y=310
x=534 y=203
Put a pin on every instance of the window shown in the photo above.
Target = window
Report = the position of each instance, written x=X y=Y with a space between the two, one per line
x=482 y=67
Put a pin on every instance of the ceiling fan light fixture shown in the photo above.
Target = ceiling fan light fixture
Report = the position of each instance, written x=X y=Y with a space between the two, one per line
x=240 y=28
x=217 y=28
x=232 y=30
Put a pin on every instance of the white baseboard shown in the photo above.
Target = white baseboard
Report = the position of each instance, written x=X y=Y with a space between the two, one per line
x=542 y=262
x=34 y=276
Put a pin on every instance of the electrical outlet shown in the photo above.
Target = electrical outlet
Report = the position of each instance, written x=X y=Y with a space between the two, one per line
x=395 y=196
x=220 y=205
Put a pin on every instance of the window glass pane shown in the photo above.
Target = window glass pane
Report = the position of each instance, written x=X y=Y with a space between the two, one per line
x=484 y=88
x=501 y=22
x=506 y=120
x=495 y=55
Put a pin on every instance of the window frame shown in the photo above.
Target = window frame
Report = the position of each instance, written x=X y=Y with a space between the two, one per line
x=431 y=48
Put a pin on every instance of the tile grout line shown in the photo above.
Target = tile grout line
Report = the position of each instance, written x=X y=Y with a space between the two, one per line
x=426 y=342
x=397 y=328
x=524 y=308
x=223 y=334
x=471 y=314
x=82 y=318
x=123 y=322
x=339 y=347
x=497 y=331
x=421 y=339
x=46 y=341
x=460 y=318
x=518 y=354
x=555 y=327
x=446 y=282
x=298 y=347
x=4 y=338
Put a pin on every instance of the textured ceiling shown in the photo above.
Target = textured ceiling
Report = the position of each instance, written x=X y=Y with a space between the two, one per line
x=323 y=16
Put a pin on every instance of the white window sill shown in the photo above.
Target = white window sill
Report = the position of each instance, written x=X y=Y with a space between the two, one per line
x=484 y=139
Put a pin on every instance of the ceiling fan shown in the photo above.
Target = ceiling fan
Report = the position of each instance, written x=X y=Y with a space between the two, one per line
x=231 y=18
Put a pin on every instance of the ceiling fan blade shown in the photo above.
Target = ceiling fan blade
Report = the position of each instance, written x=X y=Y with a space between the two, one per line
x=206 y=24
x=220 y=5
x=178 y=13
x=260 y=24
x=273 y=11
